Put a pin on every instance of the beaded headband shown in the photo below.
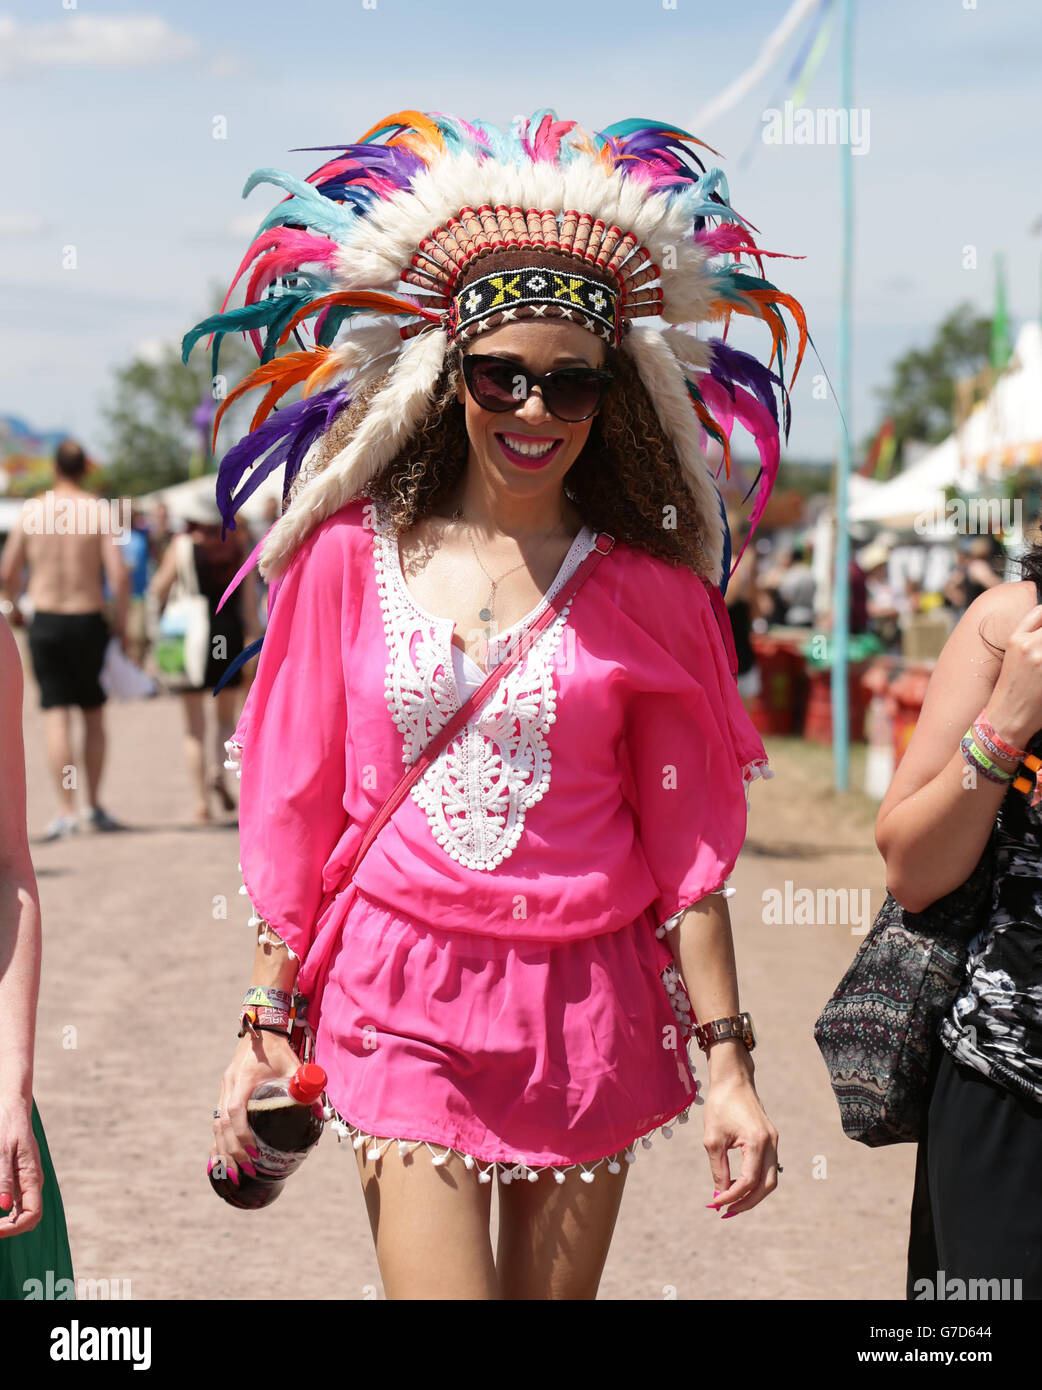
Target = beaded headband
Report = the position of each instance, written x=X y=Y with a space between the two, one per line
x=586 y=272
x=622 y=224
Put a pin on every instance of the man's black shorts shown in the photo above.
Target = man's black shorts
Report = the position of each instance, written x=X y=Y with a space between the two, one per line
x=68 y=652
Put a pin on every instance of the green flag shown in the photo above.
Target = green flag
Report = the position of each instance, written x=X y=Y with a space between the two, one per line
x=1001 y=348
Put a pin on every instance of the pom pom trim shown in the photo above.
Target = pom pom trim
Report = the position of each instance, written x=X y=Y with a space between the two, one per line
x=508 y=1170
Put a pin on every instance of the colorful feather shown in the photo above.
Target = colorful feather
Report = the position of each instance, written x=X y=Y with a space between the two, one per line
x=294 y=274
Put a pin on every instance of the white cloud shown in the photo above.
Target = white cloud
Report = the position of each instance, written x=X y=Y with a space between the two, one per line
x=226 y=65
x=153 y=351
x=102 y=41
x=20 y=224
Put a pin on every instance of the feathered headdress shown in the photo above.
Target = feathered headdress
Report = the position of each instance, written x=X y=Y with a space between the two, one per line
x=616 y=229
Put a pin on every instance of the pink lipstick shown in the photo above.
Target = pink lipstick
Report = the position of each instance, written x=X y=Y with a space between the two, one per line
x=524 y=460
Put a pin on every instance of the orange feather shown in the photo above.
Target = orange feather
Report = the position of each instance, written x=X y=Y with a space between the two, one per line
x=361 y=299
x=419 y=122
x=272 y=371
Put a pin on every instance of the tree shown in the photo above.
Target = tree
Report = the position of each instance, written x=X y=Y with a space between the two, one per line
x=920 y=397
x=153 y=437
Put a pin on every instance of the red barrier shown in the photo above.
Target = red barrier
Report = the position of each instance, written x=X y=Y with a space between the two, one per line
x=818 y=724
x=778 y=709
x=908 y=692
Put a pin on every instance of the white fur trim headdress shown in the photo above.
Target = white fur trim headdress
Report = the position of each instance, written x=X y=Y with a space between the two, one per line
x=614 y=229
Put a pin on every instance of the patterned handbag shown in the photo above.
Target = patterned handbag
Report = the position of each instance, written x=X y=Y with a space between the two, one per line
x=878 y=1031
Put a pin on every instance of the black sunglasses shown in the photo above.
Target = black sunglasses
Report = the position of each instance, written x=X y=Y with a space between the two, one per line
x=569 y=393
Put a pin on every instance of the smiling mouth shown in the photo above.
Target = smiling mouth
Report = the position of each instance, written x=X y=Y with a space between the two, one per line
x=528 y=447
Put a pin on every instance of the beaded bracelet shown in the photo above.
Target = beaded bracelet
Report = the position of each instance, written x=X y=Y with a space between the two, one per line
x=984 y=728
x=980 y=761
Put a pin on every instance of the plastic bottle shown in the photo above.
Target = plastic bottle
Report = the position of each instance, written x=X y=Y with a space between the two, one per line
x=286 y=1119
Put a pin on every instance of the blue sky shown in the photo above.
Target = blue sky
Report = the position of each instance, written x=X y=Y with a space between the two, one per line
x=109 y=111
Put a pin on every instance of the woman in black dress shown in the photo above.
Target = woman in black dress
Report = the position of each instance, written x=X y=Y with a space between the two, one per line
x=216 y=563
x=976 y=1215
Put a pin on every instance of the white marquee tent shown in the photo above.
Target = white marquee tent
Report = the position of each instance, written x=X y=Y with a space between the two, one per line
x=1003 y=432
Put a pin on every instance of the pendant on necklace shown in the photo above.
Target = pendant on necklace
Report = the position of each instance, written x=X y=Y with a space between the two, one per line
x=485 y=614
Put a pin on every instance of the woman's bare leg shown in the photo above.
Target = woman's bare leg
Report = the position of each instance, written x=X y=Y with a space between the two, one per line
x=554 y=1237
x=226 y=702
x=195 y=732
x=430 y=1224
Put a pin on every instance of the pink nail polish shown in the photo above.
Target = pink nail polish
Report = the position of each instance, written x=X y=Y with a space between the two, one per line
x=209 y=1166
x=728 y=1214
x=248 y=1168
x=233 y=1175
x=5 y=1200
x=252 y=1152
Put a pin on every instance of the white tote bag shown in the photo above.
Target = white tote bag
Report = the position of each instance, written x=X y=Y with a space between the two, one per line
x=185 y=619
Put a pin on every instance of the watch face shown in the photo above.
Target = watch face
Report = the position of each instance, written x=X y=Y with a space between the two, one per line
x=748 y=1021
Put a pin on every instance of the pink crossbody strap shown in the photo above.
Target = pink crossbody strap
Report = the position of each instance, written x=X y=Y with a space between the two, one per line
x=602 y=546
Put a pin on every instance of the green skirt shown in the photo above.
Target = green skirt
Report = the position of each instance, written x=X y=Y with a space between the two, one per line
x=38 y=1264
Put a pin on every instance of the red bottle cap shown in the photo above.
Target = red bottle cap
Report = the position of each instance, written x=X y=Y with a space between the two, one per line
x=307 y=1083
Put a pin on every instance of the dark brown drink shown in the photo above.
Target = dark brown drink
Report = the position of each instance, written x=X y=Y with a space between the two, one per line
x=286 y=1119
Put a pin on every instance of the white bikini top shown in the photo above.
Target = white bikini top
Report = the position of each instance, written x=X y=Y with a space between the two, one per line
x=469 y=674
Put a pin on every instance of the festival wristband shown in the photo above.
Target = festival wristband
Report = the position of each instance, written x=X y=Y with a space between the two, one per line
x=983 y=741
x=981 y=762
x=983 y=726
x=268 y=997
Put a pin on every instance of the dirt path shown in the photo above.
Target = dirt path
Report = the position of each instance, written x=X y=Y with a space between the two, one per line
x=132 y=924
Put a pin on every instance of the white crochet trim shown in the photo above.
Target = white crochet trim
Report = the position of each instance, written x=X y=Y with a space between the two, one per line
x=507 y=1171
x=476 y=793
x=671 y=923
x=759 y=767
x=267 y=931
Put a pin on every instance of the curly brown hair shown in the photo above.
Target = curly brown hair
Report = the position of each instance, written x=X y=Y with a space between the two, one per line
x=623 y=481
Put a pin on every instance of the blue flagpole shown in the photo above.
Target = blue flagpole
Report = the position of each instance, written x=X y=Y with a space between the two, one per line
x=841 y=578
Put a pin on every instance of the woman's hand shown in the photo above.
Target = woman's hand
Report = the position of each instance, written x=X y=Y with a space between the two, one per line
x=1015 y=706
x=21 y=1178
x=259 y=1057
x=735 y=1119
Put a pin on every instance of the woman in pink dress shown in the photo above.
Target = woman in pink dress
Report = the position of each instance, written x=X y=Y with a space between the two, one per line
x=511 y=981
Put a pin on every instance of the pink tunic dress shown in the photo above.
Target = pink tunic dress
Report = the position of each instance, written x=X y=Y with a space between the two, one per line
x=496 y=981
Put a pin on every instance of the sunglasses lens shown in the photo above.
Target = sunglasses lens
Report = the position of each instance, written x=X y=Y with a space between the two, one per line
x=570 y=394
x=494 y=385
x=574 y=395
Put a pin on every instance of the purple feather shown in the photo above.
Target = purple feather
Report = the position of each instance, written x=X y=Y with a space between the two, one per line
x=288 y=434
x=393 y=162
x=732 y=367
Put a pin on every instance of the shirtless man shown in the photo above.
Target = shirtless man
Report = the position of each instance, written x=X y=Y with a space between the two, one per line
x=68 y=632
